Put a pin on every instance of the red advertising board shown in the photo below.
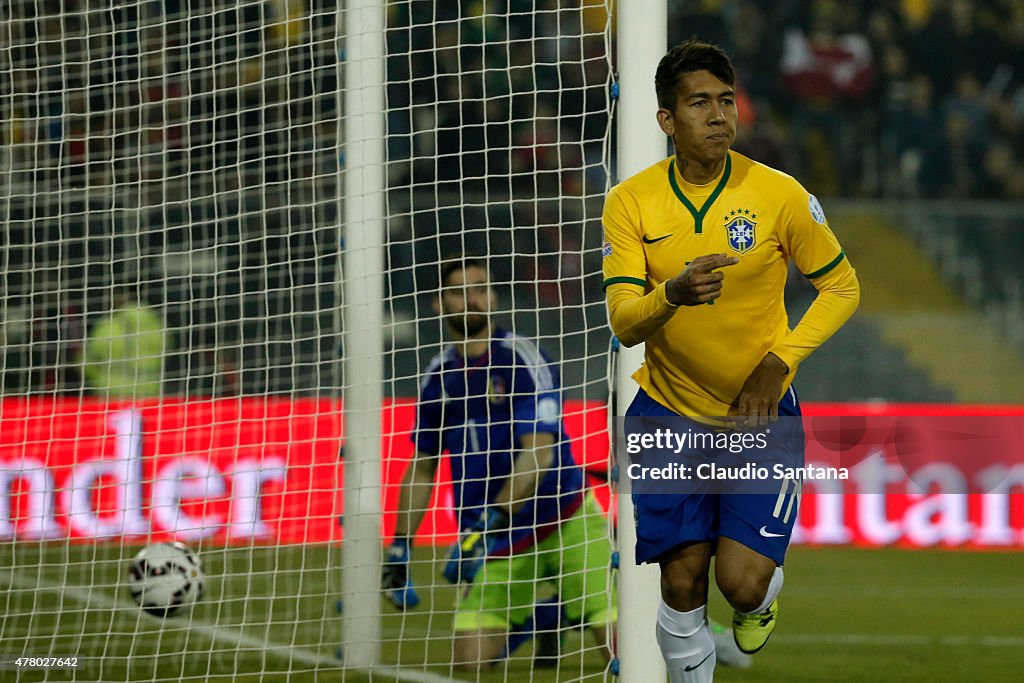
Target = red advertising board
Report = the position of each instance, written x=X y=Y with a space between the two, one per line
x=270 y=470
x=242 y=470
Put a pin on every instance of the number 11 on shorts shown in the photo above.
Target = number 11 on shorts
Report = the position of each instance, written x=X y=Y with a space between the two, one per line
x=790 y=490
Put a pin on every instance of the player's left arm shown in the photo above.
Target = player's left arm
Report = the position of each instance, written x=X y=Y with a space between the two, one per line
x=535 y=456
x=817 y=254
x=810 y=243
x=536 y=416
x=475 y=544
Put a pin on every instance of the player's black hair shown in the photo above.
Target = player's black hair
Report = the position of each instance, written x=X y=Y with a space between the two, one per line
x=686 y=57
x=458 y=264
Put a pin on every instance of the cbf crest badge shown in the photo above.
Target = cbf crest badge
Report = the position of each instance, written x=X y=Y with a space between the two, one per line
x=741 y=227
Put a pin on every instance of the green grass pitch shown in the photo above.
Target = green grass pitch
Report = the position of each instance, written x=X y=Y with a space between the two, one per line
x=269 y=614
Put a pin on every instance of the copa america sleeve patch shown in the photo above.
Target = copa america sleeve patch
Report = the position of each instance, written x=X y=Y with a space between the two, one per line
x=547 y=410
x=606 y=249
x=817 y=213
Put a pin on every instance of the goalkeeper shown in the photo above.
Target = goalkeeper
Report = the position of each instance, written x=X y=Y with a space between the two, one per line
x=492 y=400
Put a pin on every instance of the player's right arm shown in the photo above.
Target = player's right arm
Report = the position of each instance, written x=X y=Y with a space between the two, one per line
x=413 y=499
x=634 y=311
x=419 y=476
x=414 y=496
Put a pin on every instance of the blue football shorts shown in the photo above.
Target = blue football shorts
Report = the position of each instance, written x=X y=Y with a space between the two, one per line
x=760 y=516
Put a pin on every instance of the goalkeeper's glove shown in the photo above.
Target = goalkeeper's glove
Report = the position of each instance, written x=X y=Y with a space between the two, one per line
x=395 y=580
x=466 y=557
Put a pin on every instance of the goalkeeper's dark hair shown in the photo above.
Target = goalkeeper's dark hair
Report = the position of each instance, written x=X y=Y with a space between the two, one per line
x=686 y=57
x=459 y=264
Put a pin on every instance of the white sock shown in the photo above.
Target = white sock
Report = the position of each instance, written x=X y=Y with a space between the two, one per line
x=774 y=587
x=686 y=644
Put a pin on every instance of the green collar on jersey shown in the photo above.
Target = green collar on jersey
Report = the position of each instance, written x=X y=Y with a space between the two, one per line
x=698 y=216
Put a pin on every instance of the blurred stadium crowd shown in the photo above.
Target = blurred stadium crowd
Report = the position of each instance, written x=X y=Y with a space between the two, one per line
x=189 y=152
x=875 y=98
x=885 y=98
x=192 y=153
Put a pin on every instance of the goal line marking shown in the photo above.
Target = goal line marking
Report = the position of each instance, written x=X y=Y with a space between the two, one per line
x=898 y=639
x=95 y=599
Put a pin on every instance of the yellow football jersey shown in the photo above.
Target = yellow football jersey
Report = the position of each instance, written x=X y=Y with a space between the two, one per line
x=698 y=357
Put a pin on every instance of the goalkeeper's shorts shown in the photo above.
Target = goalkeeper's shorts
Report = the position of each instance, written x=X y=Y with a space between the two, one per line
x=575 y=560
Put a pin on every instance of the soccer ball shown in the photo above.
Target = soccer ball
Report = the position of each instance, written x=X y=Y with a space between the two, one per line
x=165 y=578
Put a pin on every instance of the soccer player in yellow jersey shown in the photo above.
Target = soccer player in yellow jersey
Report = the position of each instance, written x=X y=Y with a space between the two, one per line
x=696 y=254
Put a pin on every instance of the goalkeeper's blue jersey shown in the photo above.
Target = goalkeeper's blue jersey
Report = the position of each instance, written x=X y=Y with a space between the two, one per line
x=477 y=409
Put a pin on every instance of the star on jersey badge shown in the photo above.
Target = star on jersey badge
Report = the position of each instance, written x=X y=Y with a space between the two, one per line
x=496 y=392
x=740 y=225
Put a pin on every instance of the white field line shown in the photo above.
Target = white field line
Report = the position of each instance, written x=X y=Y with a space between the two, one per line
x=98 y=600
x=999 y=591
x=897 y=640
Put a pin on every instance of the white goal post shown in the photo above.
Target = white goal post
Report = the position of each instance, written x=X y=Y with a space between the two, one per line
x=363 y=173
x=642 y=40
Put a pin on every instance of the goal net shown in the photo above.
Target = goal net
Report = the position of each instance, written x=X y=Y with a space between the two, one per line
x=172 y=303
